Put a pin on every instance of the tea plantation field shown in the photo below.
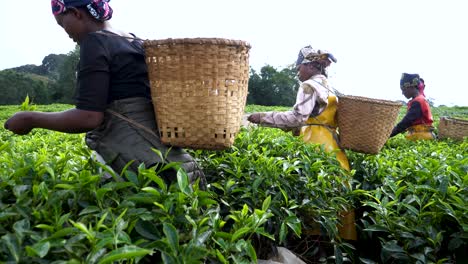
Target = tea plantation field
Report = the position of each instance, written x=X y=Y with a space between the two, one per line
x=268 y=190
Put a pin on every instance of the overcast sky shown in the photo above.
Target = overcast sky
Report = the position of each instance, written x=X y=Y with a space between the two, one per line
x=374 y=41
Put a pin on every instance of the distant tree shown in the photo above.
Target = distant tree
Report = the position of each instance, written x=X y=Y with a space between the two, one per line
x=30 y=68
x=52 y=82
x=260 y=88
x=254 y=83
x=49 y=67
x=272 y=87
x=62 y=91
x=52 y=63
x=14 y=86
x=287 y=86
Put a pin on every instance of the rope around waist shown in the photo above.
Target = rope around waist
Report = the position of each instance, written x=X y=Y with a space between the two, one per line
x=324 y=125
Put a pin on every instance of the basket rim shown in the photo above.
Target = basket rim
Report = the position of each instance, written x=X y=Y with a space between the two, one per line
x=199 y=41
x=451 y=119
x=370 y=100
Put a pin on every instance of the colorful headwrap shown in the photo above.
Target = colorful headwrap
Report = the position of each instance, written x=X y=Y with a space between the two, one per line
x=99 y=9
x=309 y=54
x=421 y=86
x=409 y=80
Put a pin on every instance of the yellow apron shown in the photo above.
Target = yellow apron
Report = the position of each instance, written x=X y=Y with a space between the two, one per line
x=321 y=129
x=418 y=132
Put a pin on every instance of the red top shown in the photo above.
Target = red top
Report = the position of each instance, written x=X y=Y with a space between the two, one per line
x=426 y=117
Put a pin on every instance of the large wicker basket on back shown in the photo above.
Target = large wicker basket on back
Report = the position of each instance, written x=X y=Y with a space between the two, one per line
x=199 y=90
x=453 y=128
x=364 y=123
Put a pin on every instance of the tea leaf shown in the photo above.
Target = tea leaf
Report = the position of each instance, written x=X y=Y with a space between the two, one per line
x=283 y=232
x=46 y=227
x=40 y=249
x=338 y=255
x=295 y=224
x=251 y=252
x=68 y=231
x=90 y=210
x=266 y=203
x=4 y=146
x=221 y=257
x=261 y=231
x=89 y=234
x=182 y=180
x=124 y=253
x=245 y=210
x=202 y=238
x=12 y=245
x=240 y=233
x=172 y=237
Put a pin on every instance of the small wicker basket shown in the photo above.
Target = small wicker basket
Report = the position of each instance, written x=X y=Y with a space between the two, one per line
x=453 y=128
x=365 y=124
x=199 y=90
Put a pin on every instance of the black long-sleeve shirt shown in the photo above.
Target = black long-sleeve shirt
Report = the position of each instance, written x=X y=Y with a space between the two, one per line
x=110 y=68
x=414 y=113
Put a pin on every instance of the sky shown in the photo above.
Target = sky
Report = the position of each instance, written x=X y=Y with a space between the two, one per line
x=374 y=41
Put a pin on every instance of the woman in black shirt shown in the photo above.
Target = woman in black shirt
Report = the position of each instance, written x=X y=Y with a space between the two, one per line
x=113 y=101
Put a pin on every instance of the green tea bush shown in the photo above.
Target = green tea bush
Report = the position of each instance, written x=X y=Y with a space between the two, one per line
x=306 y=185
x=417 y=202
x=270 y=189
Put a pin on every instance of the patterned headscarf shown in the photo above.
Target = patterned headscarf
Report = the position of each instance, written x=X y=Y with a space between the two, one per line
x=409 y=80
x=421 y=86
x=309 y=54
x=99 y=9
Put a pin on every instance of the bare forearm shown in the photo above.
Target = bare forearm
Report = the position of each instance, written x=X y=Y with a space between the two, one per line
x=70 y=121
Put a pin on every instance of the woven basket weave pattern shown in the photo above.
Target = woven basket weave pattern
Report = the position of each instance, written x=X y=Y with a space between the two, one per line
x=453 y=128
x=364 y=123
x=199 y=90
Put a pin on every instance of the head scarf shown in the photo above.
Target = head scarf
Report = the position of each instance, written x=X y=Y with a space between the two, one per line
x=309 y=54
x=409 y=80
x=99 y=9
x=421 y=86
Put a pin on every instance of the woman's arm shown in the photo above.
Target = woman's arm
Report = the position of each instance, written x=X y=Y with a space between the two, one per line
x=412 y=115
x=305 y=102
x=69 y=121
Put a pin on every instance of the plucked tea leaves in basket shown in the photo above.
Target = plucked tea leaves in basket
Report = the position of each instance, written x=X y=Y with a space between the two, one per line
x=365 y=124
x=199 y=90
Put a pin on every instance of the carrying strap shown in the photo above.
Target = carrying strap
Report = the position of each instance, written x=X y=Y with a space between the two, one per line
x=330 y=128
x=112 y=34
x=332 y=90
x=132 y=122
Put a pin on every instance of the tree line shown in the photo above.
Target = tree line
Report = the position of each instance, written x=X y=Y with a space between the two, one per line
x=54 y=82
x=51 y=82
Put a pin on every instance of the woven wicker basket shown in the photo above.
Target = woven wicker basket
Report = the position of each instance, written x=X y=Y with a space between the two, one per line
x=198 y=89
x=453 y=128
x=364 y=123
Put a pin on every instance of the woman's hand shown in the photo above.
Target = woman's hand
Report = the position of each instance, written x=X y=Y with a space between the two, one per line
x=20 y=123
x=255 y=118
x=296 y=131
